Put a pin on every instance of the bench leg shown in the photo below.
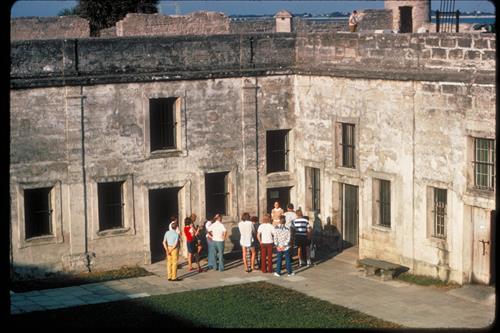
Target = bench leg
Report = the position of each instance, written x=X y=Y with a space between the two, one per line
x=385 y=275
x=369 y=271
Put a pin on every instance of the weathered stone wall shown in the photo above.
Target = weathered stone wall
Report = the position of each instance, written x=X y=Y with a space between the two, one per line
x=410 y=56
x=253 y=26
x=197 y=23
x=49 y=28
x=413 y=116
x=375 y=19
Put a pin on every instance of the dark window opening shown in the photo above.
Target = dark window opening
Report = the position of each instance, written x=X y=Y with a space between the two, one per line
x=216 y=193
x=37 y=212
x=277 y=150
x=385 y=203
x=110 y=197
x=162 y=123
x=347 y=145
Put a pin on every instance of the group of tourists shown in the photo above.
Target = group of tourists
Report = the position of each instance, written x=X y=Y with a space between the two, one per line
x=279 y=232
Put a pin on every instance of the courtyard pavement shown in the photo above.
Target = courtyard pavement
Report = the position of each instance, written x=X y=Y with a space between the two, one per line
x=336 y=280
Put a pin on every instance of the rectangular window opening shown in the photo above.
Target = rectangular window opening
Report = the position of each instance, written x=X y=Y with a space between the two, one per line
x=313 y=186
x=347 y=145
x=110 y=197
x=163 y=123
x=277 y=150
x=439 y=213
x=484 y=164
x=37 y=212
x=216 y=193
x=385 y=203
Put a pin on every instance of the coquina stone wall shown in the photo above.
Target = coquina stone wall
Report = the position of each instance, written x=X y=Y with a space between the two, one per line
x=416 y=100
x=49 y=28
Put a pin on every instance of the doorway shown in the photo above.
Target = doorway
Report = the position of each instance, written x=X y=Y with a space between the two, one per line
x=349 y=202
x=405 y=19
x=163 y=204
x=280 y=194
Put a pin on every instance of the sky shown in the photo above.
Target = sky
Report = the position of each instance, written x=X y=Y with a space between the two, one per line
x=256 y=7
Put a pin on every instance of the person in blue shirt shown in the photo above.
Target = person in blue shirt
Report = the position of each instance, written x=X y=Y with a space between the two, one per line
x=171 y=246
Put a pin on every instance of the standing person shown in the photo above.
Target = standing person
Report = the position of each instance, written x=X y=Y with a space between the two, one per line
x=172 y=220
x=218 y=232
x=171 y=246
x=246 y=241
x=191 y=242
x=353 y=21
x=210 y=246
x=197 y=240
x=282 y=239
x=302 y=236
x=255 y=243
x=289 y=215
x=276 y=212
x=265 y=237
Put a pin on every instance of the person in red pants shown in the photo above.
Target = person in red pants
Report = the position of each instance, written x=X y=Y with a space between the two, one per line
x=265 y=235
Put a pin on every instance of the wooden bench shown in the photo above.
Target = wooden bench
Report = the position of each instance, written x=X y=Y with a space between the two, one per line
x=386 y=269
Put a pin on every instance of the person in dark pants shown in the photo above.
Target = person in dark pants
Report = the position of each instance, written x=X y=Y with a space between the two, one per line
x=282 y=242
x=302 y=233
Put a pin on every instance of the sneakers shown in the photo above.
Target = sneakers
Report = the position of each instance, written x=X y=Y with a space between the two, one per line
x=276 y=274
x=291 y=274
x=309 y=263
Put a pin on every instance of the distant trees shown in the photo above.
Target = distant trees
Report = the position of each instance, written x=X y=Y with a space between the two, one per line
x=105 y=13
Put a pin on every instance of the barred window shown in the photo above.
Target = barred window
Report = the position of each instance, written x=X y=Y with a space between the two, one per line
x=216 y=193
x=277 y=150
x=313 y=186
x=162 y=123
x=382 y=202
x=37 y=212
x=347 y=145
x=439 y=213
x=484 y=163
x=110 y=197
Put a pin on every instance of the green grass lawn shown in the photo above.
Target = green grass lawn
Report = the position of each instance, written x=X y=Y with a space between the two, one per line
x=423 y=280
x=251 y=305
x=67 y=280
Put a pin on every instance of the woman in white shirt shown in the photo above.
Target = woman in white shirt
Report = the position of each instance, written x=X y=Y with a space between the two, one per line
x=246 y=241
x=265 y=237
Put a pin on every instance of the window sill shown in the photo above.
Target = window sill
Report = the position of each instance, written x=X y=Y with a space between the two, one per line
x=39 y=240
x=485 y=193
x=113 y=232
x=439 y=243
x=382 y=228
x=165 y=153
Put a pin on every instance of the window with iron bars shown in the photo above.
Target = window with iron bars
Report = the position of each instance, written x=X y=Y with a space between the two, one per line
x=162 y=123
x=439 y=213
x=110 y=198
x=277 y=150
x=347 y=145
x=37 y=212
x=484 y=164
x=385 y=203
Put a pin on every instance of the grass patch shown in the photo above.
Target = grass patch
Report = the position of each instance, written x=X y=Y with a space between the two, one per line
x=423 y=280
x=61 y=280
x=251 y=305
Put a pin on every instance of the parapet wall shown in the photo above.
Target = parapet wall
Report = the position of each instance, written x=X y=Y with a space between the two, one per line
x=49 y=28
x=458 y=57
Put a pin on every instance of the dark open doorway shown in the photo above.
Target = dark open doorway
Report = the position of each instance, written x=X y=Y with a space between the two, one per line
x=349 y=199
x=280 y=194
x=163 y=203
x=405 y=19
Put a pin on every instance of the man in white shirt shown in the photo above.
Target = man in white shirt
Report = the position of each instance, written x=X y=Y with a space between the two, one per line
x=218 y=233
x=265 y=236
x=246 y=240
x=353 y=21
x=290 y=215
x=210 y=247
